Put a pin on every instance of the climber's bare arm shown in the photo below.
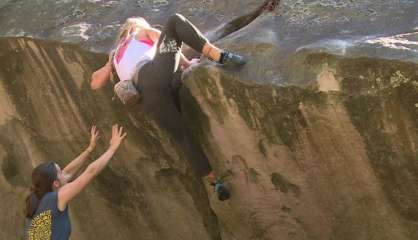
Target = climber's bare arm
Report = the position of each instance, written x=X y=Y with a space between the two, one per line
x=74 y=166
x=101 y=76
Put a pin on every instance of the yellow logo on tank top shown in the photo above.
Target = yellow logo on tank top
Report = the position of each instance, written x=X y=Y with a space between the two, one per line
x=40 y=228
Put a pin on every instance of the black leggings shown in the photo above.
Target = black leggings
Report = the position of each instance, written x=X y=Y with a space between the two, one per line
x=159 y=81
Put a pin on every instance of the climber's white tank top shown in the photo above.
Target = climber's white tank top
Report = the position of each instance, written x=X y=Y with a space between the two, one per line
x=131 y=54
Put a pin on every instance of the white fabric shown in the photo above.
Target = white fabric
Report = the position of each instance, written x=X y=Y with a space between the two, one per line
x=136 y=53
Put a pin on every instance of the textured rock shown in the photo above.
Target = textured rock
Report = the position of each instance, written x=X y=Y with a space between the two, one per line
x=317 y=135
x=94 y=23
x=340 y=163
x=46 y=110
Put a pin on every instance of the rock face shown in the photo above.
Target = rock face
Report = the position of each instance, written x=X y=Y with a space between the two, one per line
x=337 y=162
x=47 y=108
x=317 y=135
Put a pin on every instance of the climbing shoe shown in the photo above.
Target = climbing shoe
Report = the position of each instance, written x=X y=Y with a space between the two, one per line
x=221 y=191
x=231 y=59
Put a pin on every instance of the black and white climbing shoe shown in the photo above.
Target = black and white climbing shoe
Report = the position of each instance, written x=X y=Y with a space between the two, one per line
x=231 y=59
x=221 y=190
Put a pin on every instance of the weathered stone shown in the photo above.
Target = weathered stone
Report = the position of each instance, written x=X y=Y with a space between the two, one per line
x=46 y=110
x=340 y=159
x=317 y=135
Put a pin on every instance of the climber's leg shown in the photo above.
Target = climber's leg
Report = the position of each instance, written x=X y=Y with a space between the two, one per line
x=179 y=30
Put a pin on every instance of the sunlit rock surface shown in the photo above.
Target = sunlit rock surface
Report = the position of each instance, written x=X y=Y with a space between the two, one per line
x=47 y=108
x=335 y=160
x=317 y=135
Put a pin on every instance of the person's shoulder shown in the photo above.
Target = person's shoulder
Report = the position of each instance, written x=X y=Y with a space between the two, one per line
x=50 y=196
x=49 y=201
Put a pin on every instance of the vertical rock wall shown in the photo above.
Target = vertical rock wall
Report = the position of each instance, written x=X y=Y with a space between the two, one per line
x=46 y=111
x=334 y=161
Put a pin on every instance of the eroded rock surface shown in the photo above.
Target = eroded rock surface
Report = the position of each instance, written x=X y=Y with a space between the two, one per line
x=336 y=163
x=46 y=110
x=318 y=140
x=317 y=135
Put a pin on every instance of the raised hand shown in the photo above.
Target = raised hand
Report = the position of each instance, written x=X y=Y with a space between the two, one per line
x=188 y=67
x=117 y=137
x=194 y=61
x=94 y=136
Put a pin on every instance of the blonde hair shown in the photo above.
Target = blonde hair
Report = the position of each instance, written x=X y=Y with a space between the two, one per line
x=128 y=26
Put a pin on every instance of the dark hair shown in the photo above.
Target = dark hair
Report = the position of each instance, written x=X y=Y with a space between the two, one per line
x=42 y=178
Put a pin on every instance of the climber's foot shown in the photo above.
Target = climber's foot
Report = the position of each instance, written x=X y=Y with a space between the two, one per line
x=230 y=59
x=221 y=190
x=270 y=5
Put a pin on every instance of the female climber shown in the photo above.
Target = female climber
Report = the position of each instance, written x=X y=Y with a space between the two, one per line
x=151 y=59
x=52 y=189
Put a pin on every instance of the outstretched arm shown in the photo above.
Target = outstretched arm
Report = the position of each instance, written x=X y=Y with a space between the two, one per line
x=74 y=166
x=101 y=76
x=72 y=189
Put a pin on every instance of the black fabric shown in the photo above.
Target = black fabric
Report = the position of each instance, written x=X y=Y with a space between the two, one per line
x=179 y=30
x=159 y=82
x=222 y=58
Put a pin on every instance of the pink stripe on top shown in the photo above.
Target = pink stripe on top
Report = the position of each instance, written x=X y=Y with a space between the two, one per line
x=122 y=48
x=130 y=53
x=148 y=41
